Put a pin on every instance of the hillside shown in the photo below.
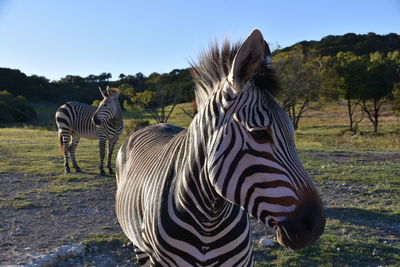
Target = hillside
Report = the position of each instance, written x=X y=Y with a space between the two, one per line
x=360 y=44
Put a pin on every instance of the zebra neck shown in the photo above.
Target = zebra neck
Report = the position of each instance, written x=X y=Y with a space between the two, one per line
x=193 y=191
x=117 y=121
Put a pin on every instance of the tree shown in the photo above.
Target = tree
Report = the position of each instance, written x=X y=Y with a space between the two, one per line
x=15 y=109
x=350 y=75
x=366 y=82
x=299 y=74
x=127 y=89
x=382 y=74
x=396 y=99
x=152 y=101
x=104 y=77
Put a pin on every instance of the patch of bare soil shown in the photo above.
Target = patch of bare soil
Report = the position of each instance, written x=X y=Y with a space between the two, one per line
x=52 y=220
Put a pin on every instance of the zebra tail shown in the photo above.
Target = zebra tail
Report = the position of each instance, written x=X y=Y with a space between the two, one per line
x=61 y=143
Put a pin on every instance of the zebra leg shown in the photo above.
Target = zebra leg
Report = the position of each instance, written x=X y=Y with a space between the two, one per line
x=65 y=147
x=142 y=258
x=111 y=144
x=72 y=148
x=102 y=147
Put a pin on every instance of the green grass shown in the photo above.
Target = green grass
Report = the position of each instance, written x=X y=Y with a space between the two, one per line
x=342 y=244
x=35 y=152
x=99 y=239
x=331 y=250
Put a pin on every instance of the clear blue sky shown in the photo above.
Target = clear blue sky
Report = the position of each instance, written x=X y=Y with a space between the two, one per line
x=54 y=38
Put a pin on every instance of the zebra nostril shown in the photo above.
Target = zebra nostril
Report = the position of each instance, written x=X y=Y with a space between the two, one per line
x=309 y=216
x=308 y=223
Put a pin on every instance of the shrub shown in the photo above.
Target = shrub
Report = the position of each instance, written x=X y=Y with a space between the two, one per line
x=134 y=125
x=15 y=109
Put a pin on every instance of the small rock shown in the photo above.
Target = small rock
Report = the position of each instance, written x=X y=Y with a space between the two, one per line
x=14 y=180
x=44 y=260
x=375 y=252
x=58 y=254
x=267 y=242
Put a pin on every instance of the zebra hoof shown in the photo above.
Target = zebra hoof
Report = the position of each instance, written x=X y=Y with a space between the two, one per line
x=78 y=169
x=67 y=171
x=103 y=173
x=111 y=171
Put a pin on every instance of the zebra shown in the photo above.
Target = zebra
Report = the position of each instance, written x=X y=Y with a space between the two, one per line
x=184 y=196
x=75 y=120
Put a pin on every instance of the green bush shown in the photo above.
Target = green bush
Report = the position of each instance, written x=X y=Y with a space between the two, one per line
x=132 y=126
x=15 y=109
x=96 y=103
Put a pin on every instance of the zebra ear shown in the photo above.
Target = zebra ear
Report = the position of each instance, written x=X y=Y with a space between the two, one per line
x=101 y=92
x=247 y=60
x=112 y=92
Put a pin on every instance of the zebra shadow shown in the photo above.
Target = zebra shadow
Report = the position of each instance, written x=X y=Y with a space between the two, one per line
x=92 y=174
x=367 y=218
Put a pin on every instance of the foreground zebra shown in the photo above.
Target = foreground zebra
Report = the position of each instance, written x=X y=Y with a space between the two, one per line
x=75 y=120
x=184 y=195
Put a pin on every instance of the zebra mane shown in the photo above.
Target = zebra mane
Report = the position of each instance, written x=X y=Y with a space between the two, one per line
x=215 y=64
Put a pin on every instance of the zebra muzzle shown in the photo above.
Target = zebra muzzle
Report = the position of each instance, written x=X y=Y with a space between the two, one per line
x=302 y=228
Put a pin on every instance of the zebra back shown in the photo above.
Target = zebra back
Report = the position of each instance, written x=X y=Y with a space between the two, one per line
x=76 y=118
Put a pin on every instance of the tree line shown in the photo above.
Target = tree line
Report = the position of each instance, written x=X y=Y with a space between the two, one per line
x=361 y=71
x=363 y=82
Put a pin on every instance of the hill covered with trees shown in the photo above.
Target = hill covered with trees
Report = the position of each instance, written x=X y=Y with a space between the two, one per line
x=359 y=44
x=362 y=70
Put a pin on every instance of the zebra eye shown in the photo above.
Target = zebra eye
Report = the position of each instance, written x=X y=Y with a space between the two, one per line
x=262 y=136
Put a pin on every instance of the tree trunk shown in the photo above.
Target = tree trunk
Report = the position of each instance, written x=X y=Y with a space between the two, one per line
x=376 y=116
x=350 y=115
x=294 y=116
x=373 y=113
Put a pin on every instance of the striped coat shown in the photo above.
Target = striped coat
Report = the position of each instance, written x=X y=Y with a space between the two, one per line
x=75 y=120
x=184 y=195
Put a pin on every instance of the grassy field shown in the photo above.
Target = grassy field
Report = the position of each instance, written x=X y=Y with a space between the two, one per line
x=358 y=176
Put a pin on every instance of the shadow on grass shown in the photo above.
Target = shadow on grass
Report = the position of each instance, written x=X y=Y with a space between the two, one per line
x=364 y=217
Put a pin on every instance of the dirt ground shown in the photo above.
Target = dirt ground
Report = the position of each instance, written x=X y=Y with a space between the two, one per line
x=52 y=220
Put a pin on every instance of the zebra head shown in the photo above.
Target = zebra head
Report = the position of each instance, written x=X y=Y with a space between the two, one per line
x=252 y=159
x=109 y=108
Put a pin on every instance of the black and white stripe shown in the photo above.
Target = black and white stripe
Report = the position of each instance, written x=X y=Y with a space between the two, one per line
x=184 y=195
x=75 y=120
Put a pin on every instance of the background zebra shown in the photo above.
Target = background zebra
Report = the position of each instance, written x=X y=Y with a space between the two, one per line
x=184 y=195
x=75 y=120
